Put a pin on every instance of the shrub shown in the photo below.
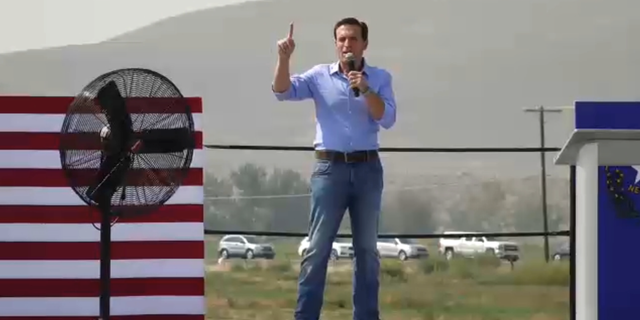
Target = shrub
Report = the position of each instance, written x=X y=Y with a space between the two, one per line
x=238 y=266
x=463 y=268
x=393 y=270
x=487 y=261
x=434 y=265
x=534 y=273
x=280 y=266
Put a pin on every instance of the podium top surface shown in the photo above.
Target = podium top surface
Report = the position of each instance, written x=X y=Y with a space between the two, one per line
x=569 y=153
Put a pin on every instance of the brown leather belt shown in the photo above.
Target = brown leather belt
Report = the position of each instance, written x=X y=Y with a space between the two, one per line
x=349 y=157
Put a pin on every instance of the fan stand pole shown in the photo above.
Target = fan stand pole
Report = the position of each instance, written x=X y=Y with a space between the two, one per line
x=105 y=264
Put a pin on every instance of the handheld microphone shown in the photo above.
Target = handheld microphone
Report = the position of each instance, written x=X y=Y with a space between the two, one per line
x=351 y=62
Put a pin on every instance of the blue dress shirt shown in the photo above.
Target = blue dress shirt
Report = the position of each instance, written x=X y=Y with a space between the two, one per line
x=343 y=122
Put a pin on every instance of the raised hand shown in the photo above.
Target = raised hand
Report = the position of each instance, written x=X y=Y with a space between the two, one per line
x=286 y=46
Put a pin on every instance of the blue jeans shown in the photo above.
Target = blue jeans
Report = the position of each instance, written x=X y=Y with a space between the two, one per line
x=336 y=187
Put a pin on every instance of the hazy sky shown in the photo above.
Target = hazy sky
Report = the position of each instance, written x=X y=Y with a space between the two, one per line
x=31 y=24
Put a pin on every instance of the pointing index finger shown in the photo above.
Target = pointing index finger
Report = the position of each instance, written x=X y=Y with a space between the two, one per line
x=290 y=31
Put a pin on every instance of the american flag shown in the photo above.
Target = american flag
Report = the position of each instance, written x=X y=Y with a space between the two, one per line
x=49 y=250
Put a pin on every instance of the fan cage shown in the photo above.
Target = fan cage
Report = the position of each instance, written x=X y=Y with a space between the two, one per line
x=154 y=102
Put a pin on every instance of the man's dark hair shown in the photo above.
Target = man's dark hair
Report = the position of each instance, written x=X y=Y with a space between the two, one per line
x=352 y=22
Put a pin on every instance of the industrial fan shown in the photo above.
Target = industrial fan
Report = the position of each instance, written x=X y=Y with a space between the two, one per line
x=126 y=145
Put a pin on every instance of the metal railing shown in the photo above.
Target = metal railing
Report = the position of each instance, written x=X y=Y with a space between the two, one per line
x=544 y=233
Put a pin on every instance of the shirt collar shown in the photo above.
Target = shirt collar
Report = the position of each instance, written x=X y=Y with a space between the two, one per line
x=335 y=67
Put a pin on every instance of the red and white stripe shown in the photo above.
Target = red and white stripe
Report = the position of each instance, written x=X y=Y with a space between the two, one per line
x=49 y=250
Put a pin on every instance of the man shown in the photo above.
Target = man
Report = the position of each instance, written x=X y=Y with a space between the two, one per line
x=348 y=173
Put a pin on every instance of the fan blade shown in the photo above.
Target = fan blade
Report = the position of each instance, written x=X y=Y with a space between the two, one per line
x=166 y=140
x=113 y=169
x=115 y=108
x=115 y=159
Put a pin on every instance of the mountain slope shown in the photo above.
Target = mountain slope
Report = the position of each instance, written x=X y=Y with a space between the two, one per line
x=463 y=71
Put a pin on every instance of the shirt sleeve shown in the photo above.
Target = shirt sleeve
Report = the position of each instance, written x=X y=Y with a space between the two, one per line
x=300 y=89
x=387 y=95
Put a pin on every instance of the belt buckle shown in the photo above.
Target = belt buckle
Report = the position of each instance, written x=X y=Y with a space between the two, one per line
x=346 y=158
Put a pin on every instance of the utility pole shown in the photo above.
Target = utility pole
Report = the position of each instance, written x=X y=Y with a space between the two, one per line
x=543 y=172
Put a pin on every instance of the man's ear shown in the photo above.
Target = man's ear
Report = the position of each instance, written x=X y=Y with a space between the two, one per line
x=366 y=44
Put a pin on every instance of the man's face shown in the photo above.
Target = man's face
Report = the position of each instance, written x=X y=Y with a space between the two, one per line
x=349 y=39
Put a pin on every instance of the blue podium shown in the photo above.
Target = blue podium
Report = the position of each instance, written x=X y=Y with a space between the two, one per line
x=605 y=148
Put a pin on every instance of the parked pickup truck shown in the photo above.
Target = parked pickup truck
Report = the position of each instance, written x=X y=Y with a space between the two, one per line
x=472 y=246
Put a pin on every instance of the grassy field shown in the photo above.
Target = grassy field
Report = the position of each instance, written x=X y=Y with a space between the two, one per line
x=430 y=289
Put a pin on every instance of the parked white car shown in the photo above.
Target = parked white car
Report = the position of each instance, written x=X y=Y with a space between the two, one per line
x=247 y=247
x=472 y=246
x=402 y=249
x=341 y=248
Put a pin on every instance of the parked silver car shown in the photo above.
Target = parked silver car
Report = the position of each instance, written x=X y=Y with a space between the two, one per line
x=563 y=252
x=341 y=248
x=246 y=247
x=402 y=249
